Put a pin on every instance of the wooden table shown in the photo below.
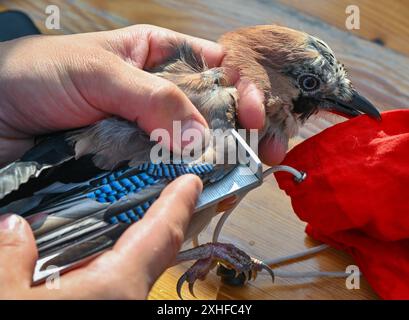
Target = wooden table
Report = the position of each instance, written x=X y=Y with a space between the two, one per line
x=264 y=224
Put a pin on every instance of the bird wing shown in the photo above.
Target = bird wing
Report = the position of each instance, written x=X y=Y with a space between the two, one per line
x=80 y=222
x=50 y=152
x=116 y=182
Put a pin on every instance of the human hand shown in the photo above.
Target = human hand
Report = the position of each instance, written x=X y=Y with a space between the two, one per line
x=129 y=270
x=51 y=83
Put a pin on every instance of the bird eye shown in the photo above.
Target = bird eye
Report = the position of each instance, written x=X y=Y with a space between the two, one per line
x=309 y=82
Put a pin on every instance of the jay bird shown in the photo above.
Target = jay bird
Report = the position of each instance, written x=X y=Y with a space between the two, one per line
x=78 y=180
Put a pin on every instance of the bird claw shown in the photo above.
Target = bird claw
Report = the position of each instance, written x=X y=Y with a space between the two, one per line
x=198 y=270
x=185 y=278
x=238 y=263
x=234 y=278
x=264 y=266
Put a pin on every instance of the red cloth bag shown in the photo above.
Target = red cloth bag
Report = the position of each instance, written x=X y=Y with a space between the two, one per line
x=356 y=195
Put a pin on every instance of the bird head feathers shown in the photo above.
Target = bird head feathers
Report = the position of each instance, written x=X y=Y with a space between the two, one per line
x=298 y=74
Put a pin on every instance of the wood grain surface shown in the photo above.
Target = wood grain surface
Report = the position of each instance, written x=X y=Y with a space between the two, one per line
x=384 y=21
x=264 y=224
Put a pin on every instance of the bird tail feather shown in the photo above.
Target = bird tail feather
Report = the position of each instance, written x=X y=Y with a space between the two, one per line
x=49 y=152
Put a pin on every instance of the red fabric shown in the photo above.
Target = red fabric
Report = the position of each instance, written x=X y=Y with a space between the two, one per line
x=356 y=195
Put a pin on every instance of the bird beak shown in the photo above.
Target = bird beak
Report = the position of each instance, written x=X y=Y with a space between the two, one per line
x=354 y=107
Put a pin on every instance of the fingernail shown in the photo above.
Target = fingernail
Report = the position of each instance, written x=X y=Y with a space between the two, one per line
x=197 y=184
x=9 y=222
x=194 y=132
x=255 y=94
x=251 y=102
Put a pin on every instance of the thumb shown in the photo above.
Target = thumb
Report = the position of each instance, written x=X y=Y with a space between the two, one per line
x=143 y=251
x=153 y=243
x=18 y=252
x=150 y=101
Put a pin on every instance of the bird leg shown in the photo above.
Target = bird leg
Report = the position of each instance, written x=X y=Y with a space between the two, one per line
x=209 y=255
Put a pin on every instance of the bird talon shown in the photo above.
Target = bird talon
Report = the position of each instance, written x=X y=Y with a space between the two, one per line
x=241 y=267
x=190 y=279
x=198 y=270
x=191 y=285
x=179 y=285
x=268 y=269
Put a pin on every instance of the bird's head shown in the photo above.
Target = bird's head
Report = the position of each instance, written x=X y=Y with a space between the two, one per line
x=298 y=73
x=322 y=83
